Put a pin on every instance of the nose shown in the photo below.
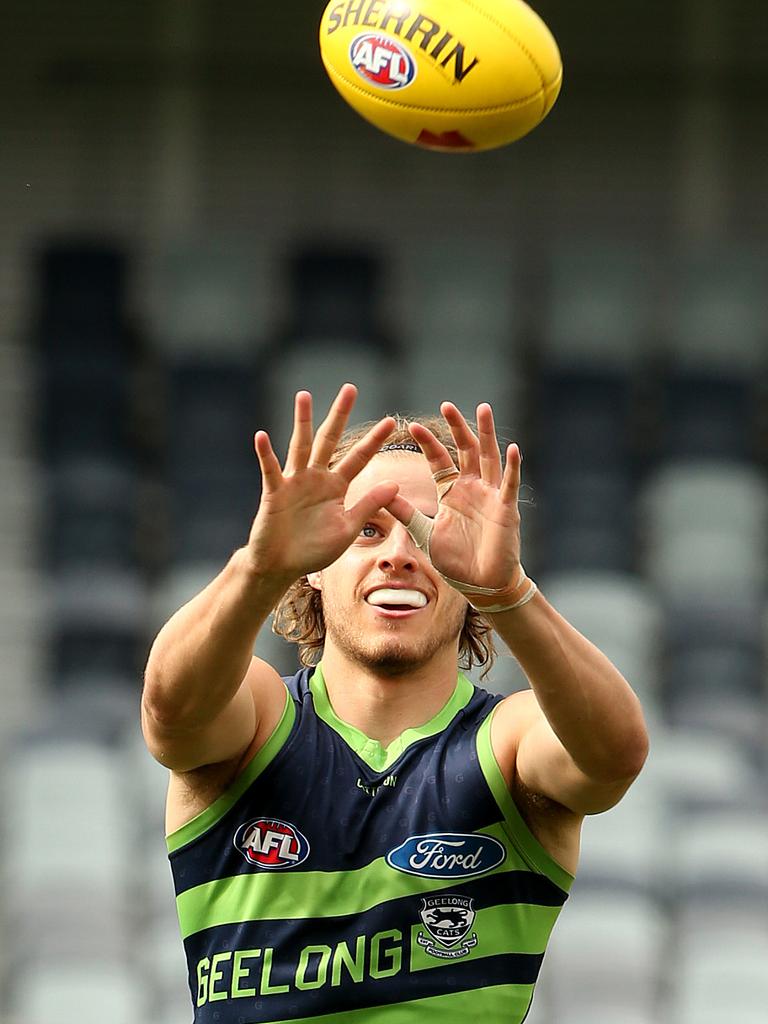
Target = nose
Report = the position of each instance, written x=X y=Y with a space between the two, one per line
x=398 y=552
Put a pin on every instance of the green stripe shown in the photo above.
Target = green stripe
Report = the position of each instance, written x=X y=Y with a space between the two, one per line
x=528 y=845
x=312 y=894
x=207 y=818
x=371 y=751
x=508 y=1003
x=509 y=928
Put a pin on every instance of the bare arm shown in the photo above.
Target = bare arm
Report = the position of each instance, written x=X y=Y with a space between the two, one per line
x=586 y=739
x=583 y=739
x=205 y=696
x=204 y=693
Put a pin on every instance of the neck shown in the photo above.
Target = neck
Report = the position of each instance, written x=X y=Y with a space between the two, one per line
x=380 y=705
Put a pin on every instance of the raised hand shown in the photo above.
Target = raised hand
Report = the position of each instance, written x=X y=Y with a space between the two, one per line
x=302 y=525
x=475 y=536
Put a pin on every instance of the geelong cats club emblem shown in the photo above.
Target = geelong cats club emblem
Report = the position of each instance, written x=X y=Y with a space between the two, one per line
x=448 y=920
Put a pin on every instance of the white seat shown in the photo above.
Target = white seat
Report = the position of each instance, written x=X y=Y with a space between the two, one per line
x=706 y=494
x=717 y=294
x=618 y=1013
x=599 y=310
x=465 y=372
x=505 y=677
x=80 y=922
x=696 y=921
x=695 y=768
x=722 y=854
x=162 y=956
x=184 y=582
x=619 y=614
x=607 y=949
x=622 y=849
x=281 y=654
x=444 y=294
x=461 y=330
x=322 y=366
x=178 y=586
x=607 y=606
x=65 y=817
x=21 y=600
x=75 y=993
x=726 y=977
x=722 y=1009
x=147 y=783
x=210 y=297
x=99 y=596
x=539 y=1011
x=711 y=564
x=175 y=1009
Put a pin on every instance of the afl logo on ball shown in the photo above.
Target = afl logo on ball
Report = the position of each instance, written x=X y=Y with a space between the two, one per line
x=271 y=844
x=382 y=61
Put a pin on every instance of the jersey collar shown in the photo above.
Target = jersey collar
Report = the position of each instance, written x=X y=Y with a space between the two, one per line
x=370 y=751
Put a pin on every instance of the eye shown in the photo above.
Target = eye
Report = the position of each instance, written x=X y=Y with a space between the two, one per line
x=369 y=531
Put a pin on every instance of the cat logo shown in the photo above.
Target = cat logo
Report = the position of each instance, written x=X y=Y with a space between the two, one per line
x=271 y=844
x=448 y=920
x=382 y=61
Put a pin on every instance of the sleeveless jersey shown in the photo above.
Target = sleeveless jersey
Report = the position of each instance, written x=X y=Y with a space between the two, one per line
x=340 y=882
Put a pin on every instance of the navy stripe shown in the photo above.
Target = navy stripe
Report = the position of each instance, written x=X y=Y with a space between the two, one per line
x=288 y=937
x=455 y=976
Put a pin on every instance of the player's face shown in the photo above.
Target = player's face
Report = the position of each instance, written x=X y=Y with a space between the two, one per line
x=384 y=604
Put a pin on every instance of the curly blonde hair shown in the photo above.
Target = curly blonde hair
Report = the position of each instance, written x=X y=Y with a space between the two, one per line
x=299 y=615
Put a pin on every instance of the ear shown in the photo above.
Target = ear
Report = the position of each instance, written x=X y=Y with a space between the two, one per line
x=314 y=579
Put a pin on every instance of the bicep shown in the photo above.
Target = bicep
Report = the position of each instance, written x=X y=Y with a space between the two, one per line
x=545 y=766
x=529 y=752
x=257 y=704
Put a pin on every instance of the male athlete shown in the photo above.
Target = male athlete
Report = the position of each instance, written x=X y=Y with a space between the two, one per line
x=377 y=840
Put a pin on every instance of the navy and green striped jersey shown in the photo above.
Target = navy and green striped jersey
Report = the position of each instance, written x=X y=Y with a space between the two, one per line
x=342 y=882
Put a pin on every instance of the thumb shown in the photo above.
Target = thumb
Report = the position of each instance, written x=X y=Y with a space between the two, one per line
x=378 y=497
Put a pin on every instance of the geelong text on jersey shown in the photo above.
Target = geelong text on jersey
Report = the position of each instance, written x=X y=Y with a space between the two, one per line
x=244 y=973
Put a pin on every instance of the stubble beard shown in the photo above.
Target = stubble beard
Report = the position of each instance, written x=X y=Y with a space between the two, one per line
x=394 y=654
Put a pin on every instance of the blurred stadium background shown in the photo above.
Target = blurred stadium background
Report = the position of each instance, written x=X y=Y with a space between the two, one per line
x=193 y=226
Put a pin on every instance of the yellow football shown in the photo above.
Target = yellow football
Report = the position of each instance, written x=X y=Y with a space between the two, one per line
x=454 y=75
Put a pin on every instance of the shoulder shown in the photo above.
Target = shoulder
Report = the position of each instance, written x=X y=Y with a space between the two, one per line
x=512 y=718
x=191 y=792
x=554 y=826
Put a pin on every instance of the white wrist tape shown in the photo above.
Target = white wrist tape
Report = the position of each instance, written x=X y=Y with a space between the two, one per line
x=420 y=528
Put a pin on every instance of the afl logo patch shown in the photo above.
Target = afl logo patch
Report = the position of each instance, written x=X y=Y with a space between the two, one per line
x=271 y=844
x=447 y=855
x=382 y=61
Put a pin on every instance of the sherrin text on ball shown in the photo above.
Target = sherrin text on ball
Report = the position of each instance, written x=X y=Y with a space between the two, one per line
x=453 y=75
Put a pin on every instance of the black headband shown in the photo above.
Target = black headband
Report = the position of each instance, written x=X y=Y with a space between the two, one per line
x=402 y=446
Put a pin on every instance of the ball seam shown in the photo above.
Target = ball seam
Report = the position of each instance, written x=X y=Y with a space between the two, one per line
x=505 y=29
x=497 y=109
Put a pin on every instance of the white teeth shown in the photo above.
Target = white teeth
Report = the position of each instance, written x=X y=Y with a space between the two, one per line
x=388 y=595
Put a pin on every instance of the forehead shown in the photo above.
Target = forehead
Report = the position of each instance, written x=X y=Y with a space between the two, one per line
x=408 y=469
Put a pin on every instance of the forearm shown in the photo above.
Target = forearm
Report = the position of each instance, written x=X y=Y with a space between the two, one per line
x=201 y=655
x=589 y=705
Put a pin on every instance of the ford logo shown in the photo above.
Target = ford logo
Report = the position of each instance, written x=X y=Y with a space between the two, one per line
x=447 y=855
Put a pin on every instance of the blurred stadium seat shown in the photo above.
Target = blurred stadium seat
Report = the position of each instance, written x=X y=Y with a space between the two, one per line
x=73 y=993
x=209 y=299
x=607 y=952
x=463 y=333
x=322 y=365
x=598 y=310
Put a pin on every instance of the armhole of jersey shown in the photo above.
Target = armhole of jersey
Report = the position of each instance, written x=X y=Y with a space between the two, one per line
x=524 y=840
x=200 y=824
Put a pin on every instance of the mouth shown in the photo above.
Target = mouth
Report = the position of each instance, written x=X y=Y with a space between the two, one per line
x=396 y=602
